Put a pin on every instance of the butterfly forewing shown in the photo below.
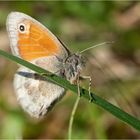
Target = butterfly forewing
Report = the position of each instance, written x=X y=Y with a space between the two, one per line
x=34 y=41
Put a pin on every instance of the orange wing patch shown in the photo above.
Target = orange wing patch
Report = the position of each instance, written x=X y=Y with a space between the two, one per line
x=36 y=42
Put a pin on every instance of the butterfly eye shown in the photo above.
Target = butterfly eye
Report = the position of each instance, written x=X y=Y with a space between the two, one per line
x=22 y=28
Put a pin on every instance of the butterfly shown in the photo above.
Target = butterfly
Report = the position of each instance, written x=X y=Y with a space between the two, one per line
x=33 y=42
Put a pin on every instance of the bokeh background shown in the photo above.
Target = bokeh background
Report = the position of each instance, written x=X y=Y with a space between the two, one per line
x=114 y=68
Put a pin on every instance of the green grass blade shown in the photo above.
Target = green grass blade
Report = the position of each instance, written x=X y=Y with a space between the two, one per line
x=120 y=114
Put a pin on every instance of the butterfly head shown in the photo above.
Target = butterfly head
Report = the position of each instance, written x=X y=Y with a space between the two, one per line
x=72 y=67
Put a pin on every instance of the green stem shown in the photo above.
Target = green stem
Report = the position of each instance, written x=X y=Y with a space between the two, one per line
x=114 y=110
x=72 y=117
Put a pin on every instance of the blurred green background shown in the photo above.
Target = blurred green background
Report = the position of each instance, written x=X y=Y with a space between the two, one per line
x=114 y=68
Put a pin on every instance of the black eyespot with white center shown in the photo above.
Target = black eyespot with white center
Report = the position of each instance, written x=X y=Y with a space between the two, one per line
x=22 y=28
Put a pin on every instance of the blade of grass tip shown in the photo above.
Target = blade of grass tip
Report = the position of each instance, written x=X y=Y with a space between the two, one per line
x=120 y=114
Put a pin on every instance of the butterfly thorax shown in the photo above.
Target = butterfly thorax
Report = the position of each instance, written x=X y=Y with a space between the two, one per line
x=72 y=67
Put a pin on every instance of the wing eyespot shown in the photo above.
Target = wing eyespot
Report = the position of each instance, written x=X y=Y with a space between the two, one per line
x=22 y=28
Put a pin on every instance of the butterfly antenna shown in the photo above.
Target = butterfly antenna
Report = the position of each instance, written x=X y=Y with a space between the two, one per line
x=103 y=43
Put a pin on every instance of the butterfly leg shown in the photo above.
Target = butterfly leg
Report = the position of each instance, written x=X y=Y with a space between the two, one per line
x=89 y=88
